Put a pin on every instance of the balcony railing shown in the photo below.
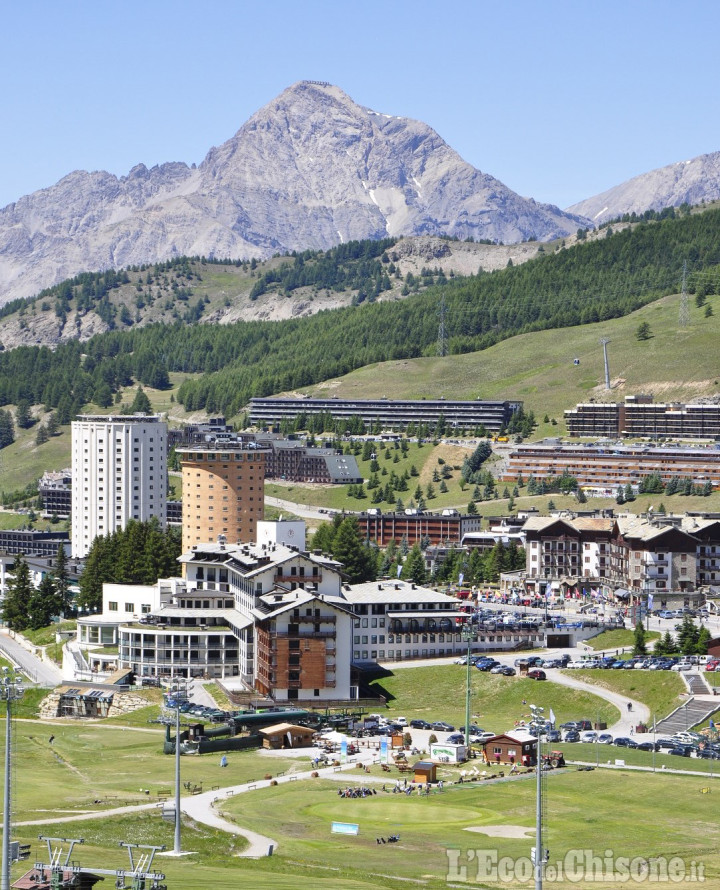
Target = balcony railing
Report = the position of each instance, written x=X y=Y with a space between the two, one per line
x=312 y=579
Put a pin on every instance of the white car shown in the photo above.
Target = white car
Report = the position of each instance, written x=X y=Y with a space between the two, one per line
x=401 y=721
x=588 y=736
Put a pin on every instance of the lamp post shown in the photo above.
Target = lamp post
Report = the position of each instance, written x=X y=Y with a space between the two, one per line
x=11 y=690
x=468 y=634
x=181 y=687
x=538 y=721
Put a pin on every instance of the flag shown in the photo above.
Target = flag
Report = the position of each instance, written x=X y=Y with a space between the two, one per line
x=399 y=570
x=650 y=602
x=461 y=578
x=548 y=590
x=552 y=717
x=713 y=728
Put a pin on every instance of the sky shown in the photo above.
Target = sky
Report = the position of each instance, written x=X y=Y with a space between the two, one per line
x=558 y=100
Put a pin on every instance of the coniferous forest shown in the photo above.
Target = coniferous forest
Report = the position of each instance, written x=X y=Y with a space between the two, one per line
x=591 y=281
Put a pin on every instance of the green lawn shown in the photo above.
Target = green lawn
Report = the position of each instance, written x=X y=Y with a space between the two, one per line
x=619 y=639
x=678 y=364
x=661 y=691
x=597 y=810
x=438 y=693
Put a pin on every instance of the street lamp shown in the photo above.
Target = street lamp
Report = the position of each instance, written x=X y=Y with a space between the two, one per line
x=539 y=857
x=468 y=634
x=11 y=689
x=181 y=687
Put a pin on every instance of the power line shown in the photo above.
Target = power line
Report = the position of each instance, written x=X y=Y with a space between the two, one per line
x=684 y=318
x=442 y=335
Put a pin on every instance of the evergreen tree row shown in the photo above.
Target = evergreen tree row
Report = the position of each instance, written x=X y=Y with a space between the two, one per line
x=138 y=554
x=591 y=281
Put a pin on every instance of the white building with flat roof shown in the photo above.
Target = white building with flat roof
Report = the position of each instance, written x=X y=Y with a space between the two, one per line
x=119 y=472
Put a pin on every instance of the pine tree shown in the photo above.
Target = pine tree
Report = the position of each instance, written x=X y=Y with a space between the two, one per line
x=414 y=566
x=19 y=590
x=639 y=647
x=349 y=549
x=62 y=582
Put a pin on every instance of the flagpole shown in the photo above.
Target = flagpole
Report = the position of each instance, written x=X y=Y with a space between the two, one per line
x=654 y=722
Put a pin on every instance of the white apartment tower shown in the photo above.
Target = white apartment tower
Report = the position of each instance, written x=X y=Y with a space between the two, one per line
x=119 y=472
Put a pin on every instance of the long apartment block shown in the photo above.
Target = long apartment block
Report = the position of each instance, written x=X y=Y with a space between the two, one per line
x=610 y=466
x=640 y=416
x=493 y=415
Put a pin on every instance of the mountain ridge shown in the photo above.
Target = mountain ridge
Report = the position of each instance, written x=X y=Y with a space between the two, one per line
x=684 y=182
x=307 y=171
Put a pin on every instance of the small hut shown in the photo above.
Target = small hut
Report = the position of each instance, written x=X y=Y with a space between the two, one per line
x=286 y=735
x=517 y=746
x=424 y=772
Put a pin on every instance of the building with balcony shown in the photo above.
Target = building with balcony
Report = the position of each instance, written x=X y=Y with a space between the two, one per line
x=657 y=557
x=55 y=489
x=639 y=416
x=570 y=552
x=608 y=466
x=399 y=621
x=119 y=473
x=270 y=615
x=447 y=527
x=493 y=415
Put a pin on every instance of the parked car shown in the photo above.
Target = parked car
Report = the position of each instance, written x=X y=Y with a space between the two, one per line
x=647 y=746
x=665 y=613
x=588 y=736
x=572 y=735
x=507 y=671
x=455 y=738
x=680 y=751
x=624 y=742
x=420 y=724
x=536 y=674
x=605 y=738
x=441 y=726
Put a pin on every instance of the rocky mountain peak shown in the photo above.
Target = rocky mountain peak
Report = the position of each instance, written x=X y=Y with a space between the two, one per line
x=309 y=170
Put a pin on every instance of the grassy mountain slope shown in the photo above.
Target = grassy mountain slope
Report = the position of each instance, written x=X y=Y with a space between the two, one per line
x=674 y=364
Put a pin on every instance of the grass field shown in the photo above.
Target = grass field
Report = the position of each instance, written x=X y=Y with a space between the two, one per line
x=438 y=693
x=619 y=639
x=675 y=364
x=598 y=811
x=661 y=691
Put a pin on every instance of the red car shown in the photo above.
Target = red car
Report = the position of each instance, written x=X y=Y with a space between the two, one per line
x=712 y=665
x=536 y=674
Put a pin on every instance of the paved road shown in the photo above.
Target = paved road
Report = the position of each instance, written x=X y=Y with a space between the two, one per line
x=43 y=673
x=303 y=510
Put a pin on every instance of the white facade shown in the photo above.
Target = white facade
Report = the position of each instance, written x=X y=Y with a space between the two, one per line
x=119 y=473
x=290 y=532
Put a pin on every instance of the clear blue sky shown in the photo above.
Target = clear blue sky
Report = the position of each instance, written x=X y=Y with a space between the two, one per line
x=558 y=100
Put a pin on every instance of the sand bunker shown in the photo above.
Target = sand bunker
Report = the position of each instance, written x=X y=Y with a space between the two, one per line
x=502 y=830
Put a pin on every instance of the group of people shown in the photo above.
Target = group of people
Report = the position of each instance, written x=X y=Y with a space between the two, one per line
x=356 y=792
x=393 y=839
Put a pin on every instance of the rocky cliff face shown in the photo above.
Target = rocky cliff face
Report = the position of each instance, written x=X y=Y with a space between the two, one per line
x=687 y=182
x=309 y=170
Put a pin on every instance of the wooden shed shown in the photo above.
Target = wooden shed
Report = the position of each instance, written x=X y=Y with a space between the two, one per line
x=517 y=746
x=424 y=772
x=287 y=735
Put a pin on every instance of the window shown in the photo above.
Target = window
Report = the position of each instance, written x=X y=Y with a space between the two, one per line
x=112 y=606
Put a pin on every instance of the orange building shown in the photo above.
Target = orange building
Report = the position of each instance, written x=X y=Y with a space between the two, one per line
x=223 y=492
